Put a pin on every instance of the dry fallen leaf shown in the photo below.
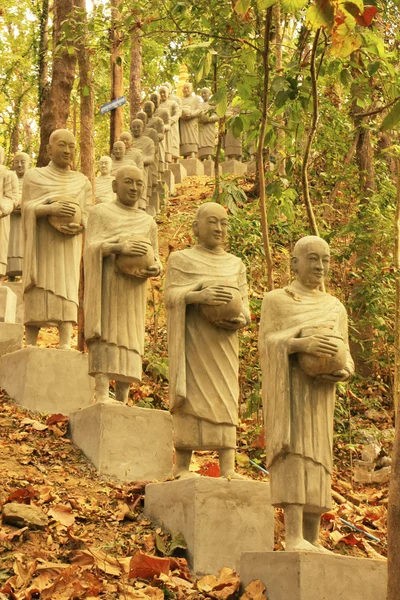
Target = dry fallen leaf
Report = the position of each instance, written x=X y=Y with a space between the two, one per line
x=146 y=566
x=63 y=514
x=254 y=591
x=222 y=588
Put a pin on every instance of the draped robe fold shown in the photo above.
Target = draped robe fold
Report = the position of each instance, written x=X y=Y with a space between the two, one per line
x=189 y=128
x=103 y=191
x=16 y=243
x=146 y=146
x=51 y=259
x=203 y=358
x=175 y=141
x=298 y=409
x=115 y=303
x=207 y=130
x=8 y=198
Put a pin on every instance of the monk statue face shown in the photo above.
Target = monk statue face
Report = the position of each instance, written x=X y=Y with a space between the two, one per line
x=119 y=150
x=61 y=148
x=148 y=108
x=137 y=128
x=155 y=98
x=163 y=91
x=105 y=165
x=205 y=93
x=20 y=163
x=126 y=137
x=142 y=116
x=128 y=185
x=211 y=225
x=187 y=90
x=311 y=261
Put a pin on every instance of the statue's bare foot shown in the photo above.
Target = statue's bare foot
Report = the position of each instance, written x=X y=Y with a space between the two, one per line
x=185 y=474
x=64 y=347
x=300 y=546
x=232 y=475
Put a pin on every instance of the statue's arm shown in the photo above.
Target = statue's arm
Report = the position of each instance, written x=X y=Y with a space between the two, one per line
x=7 y=202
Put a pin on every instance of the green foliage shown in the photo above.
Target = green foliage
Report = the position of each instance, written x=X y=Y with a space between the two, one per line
x=229 y=194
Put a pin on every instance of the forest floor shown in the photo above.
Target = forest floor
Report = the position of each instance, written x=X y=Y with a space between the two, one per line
x=96 y=541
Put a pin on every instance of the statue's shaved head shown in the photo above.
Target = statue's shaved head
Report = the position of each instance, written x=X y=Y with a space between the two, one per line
x=305 y=243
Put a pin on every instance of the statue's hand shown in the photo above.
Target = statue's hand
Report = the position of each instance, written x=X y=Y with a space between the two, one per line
x=132 y=248
x=62 y=209
x=235 y=323
x=72 y=228
x=214 y=295
x=341 y=375
x=317 y=345
x=152 y=271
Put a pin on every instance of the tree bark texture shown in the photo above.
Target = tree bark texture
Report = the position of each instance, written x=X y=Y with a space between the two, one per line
x=117 y=81
x=135 y=76
x=55 y=107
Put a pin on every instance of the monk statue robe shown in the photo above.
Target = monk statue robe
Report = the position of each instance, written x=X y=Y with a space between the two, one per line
x=115 y=302
x=208 y=118
x=232 y=145
x=157 y=124
x=15 y=256
x=203 y=354
x=103 y=191
x=145 y=145
x=188 y=123
x=52 y=256
x=153 y=135
x=120 y=158
x=165 y=144
x=176 y=112
x=299 y=323
x=8 y=199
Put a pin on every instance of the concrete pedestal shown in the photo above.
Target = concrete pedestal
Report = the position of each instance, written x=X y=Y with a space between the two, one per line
x=219 y=519
x=11 y=338
x=16 y=287
x=193 y=166
x=169 y=179
x=179 y=172
x=233 y=167
x=129 y=443
x=47 y=379
x=315 y=576
x=251 y=167
x=8 y=305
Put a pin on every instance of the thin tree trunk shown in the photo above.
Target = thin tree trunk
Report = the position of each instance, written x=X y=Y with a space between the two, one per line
x=347 y=161
x=117 y=81
x=55 y=107
x=217 y=175
x=314 y=121
x=43 y=86
x=393 y=590
x=280 y=133
x=135 y=76
x=260 y=149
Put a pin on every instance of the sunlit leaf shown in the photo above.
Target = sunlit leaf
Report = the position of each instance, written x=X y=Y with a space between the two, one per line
x=242 y=6
x=392 y=120
x=263 y=4
x=320 y=14
x=292 y=5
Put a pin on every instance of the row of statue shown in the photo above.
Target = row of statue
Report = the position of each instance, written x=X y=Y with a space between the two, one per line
x=303 y=335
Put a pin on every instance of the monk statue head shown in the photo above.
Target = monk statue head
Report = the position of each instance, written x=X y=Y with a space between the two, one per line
x=168 y=85
x=119 y=150
x=128 y=185
x=149 y=108
x=61 y=148
x=187 y=90
x=164 y=114
x=142 y=116
x=155 y=98
x=210 y=225
x=126 y=137
x=105 y=164
x=21 y=163
x=137 y=128
x=164 y=93
x=205 y=93
x=310 y=261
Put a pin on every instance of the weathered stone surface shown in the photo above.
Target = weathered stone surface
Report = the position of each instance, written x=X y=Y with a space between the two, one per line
x=209 y=169
x=23 y=515
x=179 y=171
x=315 y=576
x=8 y=305
x=129 y=443
x=11 y=337
x=233 y=167
x=193 y=166
x=16 y=287
x=47 y=379
x=219 y=519
x=169 y=179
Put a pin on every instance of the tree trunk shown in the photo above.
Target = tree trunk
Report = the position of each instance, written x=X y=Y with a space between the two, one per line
x=135 y=76
x=55 y=107
x=280 y=133
x=117 y=81
x=43 y=86
x=393 y=591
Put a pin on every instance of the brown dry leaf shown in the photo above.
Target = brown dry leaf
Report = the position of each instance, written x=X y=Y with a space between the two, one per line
x=223 y=588
x=94 y=556
x=8 y=536
x=127 y=592
x=254 y=591
x=37 y=425
x=207 y=583
x=146 y=566
x=23 y=572
x=63 y=514
x=371 y=552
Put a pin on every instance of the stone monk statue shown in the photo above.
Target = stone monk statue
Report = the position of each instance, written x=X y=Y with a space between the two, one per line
x=207 y=120
x=121 y=159
x=115 y=292
x=188 y=122
x=52 y=253
x=206 y=301
x=21 y=163
x=304 y=352
x=103 y=191
x=8 y=199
